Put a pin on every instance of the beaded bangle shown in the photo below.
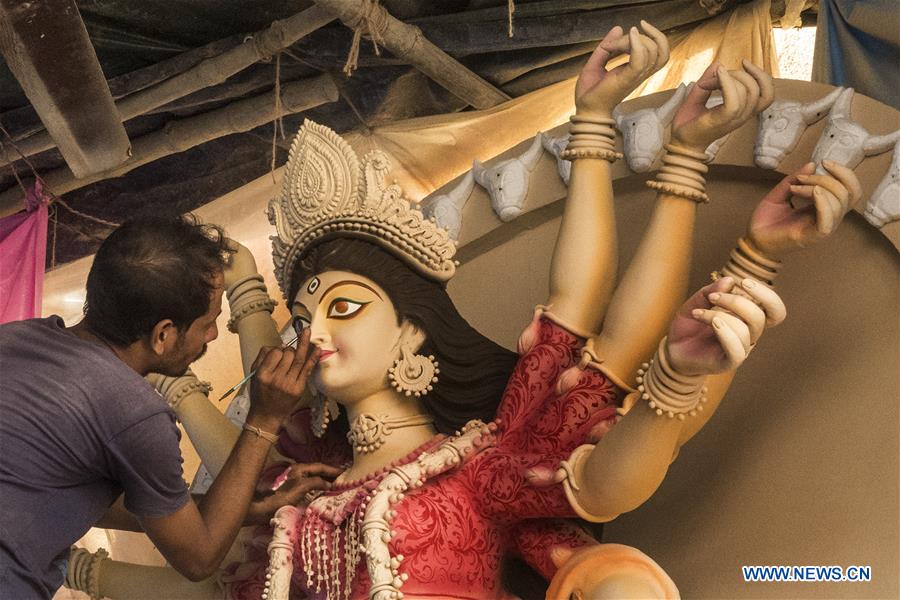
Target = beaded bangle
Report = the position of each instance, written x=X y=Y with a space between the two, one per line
x=682 y=174
x=677 y=190
x=607 y=155
x=86 y=578
x=668 y=391
x=187 y=388
x=250 y=304
x=591 y=138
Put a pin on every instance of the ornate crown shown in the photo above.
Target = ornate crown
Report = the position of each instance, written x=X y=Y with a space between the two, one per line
x=326 y=194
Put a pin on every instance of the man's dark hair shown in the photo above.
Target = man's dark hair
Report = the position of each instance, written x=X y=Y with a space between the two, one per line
x=151 y=269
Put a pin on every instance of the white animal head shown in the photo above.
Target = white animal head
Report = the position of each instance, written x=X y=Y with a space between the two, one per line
x=555 y=146
x=782 y=124
x=884 y=205
x=507 y=181
x=846 y=142
x=645 y=131
x=446 y=209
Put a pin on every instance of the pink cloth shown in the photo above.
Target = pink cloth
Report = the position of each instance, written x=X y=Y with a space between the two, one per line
x=454 y=531
x=23 y=250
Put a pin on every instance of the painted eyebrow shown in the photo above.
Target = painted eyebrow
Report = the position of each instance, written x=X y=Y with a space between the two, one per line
x=348 y=281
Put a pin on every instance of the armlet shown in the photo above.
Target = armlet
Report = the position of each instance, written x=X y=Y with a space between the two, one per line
x=570 y=485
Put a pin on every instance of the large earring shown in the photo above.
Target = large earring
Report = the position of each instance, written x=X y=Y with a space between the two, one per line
x=413 y=374
x=324 y=410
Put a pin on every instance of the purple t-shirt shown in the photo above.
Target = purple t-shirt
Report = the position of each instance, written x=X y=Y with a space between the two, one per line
x=78 y=427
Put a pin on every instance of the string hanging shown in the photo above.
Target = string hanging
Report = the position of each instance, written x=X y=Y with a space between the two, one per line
x=371 y=20
x=278 y=121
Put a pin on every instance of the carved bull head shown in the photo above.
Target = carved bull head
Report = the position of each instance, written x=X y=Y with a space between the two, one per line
x=446 y=209
x=884 y=205
x=846 y=142
x=645 y=131
x=507 y=181
x=555 y=146
x=782 y=124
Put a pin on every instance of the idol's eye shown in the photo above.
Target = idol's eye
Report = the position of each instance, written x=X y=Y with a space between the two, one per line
x=344 y=308
x=299 y=323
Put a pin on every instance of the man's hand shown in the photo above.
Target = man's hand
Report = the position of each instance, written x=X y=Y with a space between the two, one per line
x=745 y=92
x=803 y=208
x=598 y=91
x=279 y=380
x=291 y=487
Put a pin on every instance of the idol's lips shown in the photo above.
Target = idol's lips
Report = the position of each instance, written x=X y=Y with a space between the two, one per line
x=323 y=354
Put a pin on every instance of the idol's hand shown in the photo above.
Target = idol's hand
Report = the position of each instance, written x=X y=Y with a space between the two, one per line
x=598 y=91
x=745 y=92
x=240 y=264
x=803 y=208
x=602 y=571
x=715 y=329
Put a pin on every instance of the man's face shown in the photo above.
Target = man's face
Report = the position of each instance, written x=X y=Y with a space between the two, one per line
x=192 y=341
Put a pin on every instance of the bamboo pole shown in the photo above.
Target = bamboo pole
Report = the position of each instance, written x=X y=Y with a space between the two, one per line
x=212 y=71
x=178 y=136
x=407 y=43
x=47 y=48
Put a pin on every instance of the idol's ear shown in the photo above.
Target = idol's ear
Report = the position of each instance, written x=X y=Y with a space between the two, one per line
x=411 y=335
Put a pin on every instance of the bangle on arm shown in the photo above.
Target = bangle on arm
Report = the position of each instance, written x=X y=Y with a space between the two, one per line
x=83 y=571
x=567 y=474
x=176 y=389
x=591 y=138
x=247 y=296
x=746 y=261
x=682 y=174
x=668 y=391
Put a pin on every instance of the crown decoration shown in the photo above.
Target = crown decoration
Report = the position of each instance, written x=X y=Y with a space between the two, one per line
x=327 y=193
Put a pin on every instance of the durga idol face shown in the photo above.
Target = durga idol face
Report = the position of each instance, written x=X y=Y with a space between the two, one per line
x=353 y=323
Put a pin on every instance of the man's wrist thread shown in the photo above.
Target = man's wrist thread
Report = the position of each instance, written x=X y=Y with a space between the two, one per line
x=272 y=438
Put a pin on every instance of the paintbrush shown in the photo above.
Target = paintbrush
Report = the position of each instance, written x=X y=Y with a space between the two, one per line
x=238 y=385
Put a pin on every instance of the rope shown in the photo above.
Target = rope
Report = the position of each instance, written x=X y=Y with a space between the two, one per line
x=54 y=216
x=78 y=213
x=300 y=60
x=278 y=121
x=510 y=9
x=370 y=20
x=355 y=111
x=54 y=199
x=11 y=164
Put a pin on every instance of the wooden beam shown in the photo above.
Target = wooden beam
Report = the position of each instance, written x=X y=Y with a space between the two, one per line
x=211 y=71
x=180 y=135
x=48 y=50
x=407 y=43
